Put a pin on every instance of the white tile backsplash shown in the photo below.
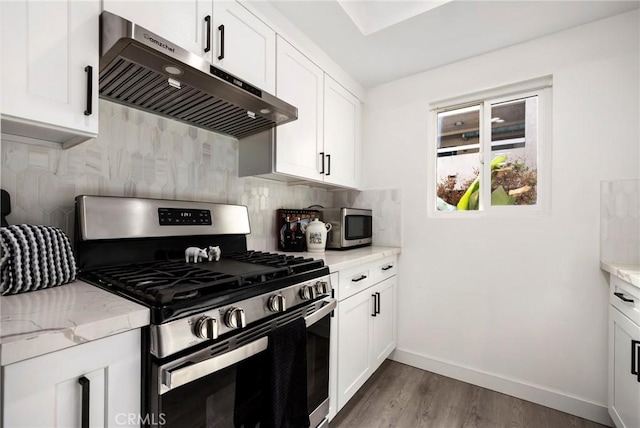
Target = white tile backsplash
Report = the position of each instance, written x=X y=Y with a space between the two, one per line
x=142 y=155
x=620 y=221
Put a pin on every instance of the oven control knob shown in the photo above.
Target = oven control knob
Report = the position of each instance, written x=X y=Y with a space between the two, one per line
x=277 y=303
x=206 y=328
x=308 y=292
x=234 y=318
x=322 y=287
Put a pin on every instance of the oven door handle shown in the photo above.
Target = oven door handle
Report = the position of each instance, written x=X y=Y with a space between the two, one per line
x=175 y=377
x=329 y=305
x=181 y=375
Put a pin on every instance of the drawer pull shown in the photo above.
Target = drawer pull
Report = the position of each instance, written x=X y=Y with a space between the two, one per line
x=387 y=267
x=621 y=297
x=360 y=278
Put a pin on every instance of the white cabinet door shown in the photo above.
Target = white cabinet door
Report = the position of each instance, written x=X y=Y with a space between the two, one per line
x=342 y=128
x=354 y=347
x=624 y=367
x=183 y=22
x=300 y=83
x=49 y=52
x=383 y=332
x=244 y=45
x=45 y=391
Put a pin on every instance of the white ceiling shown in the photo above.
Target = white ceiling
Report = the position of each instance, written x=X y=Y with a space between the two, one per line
x=377 y=41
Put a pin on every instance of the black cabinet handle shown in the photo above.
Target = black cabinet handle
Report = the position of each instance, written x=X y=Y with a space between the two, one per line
x=328 y=165
x=221 y=30
x=378 y=302
x=635 y=358
x=387 y=267
x=207 y=19
x=86 y=386
x=322 y=157
x=360 y=278
x=375 y=305
x=89 y=71
x=621 y=297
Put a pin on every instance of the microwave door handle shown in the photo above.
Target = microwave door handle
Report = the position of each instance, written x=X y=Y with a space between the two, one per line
x=330 y=305
x=173 y=378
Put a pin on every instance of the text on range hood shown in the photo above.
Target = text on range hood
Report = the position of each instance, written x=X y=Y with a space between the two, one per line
x=133 y=72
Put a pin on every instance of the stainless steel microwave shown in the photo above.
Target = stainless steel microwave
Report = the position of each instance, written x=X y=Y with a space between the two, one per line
x=350 y=227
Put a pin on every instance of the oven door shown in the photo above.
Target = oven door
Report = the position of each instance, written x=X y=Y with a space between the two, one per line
x=199 y=390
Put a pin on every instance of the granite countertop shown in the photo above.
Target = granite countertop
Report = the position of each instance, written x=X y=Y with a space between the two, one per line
x=627 y=272
x=340 y=260
x=43 y=321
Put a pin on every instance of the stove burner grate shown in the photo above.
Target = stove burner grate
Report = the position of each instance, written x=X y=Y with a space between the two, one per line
x=165 y=282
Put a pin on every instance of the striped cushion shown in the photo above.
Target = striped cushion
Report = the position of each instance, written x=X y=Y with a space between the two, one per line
x=34 y=257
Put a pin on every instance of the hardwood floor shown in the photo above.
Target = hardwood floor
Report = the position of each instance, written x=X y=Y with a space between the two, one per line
x=402 y=396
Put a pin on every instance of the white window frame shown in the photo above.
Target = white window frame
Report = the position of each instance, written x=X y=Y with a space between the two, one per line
x=540 y=87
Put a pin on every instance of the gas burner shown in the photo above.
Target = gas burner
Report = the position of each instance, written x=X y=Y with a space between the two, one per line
x=166 y=281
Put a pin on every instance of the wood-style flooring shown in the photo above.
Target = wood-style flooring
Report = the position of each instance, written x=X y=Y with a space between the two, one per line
x=402 y=396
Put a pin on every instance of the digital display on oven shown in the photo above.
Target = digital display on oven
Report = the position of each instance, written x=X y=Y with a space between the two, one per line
x=184 y=217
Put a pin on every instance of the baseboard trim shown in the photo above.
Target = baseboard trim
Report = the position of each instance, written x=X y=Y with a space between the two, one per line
x=534 y=393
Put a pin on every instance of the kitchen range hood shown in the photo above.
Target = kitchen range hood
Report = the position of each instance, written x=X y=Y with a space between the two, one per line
x=143 y=70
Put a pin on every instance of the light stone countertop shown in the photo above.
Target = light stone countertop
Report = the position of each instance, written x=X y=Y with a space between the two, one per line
x=344 y=259
x=43 y=321
x=39 y=322
x=626 y=272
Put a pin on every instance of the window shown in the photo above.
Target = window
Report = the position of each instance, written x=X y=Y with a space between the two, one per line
x=499 y=137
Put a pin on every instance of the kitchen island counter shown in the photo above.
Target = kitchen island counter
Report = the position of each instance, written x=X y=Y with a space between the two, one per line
x=627 y=272
x=43 y=321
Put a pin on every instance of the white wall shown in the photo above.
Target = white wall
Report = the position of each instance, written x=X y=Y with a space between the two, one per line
x=518 y=304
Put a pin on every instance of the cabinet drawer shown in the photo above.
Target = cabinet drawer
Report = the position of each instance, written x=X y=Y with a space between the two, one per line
x=625 y=297
x=385 y=268
x=354 y=280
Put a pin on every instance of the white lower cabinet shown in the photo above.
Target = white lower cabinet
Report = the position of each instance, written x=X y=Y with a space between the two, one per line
x=47 y=391
x=365 y=325
x=624 y=356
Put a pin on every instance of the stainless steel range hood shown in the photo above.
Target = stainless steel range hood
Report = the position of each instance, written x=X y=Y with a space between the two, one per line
x=143 y=70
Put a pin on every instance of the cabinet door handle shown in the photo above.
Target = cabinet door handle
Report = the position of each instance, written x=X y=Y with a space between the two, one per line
x=635 y=358
x=387 y=267
x=89 y=71
x=360 y=278
x=378 y=302
x=621 y=297
x=86 y=386
x=207 y=19
x=322 y=158
x=328 y=165
x=375 y=305
x=221 y=30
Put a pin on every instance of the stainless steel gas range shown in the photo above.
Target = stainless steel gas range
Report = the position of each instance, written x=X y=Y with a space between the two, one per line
x=232 y=342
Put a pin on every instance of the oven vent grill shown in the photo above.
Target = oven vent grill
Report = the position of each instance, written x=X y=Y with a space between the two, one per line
x=128 y=83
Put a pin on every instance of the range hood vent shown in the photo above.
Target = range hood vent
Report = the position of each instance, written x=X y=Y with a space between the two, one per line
x=133 y=72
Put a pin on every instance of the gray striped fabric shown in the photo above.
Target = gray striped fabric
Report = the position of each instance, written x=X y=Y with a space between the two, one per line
x=34 y=257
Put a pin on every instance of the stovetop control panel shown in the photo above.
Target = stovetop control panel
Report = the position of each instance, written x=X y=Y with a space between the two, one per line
x=180 y=334
x=183 y=217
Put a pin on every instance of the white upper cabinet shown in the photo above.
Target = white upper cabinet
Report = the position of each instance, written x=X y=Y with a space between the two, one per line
x=222 y=32
x=50 y=70
x=185 y=23
x=342 y=128
x=244 y=45
x=299 y=143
